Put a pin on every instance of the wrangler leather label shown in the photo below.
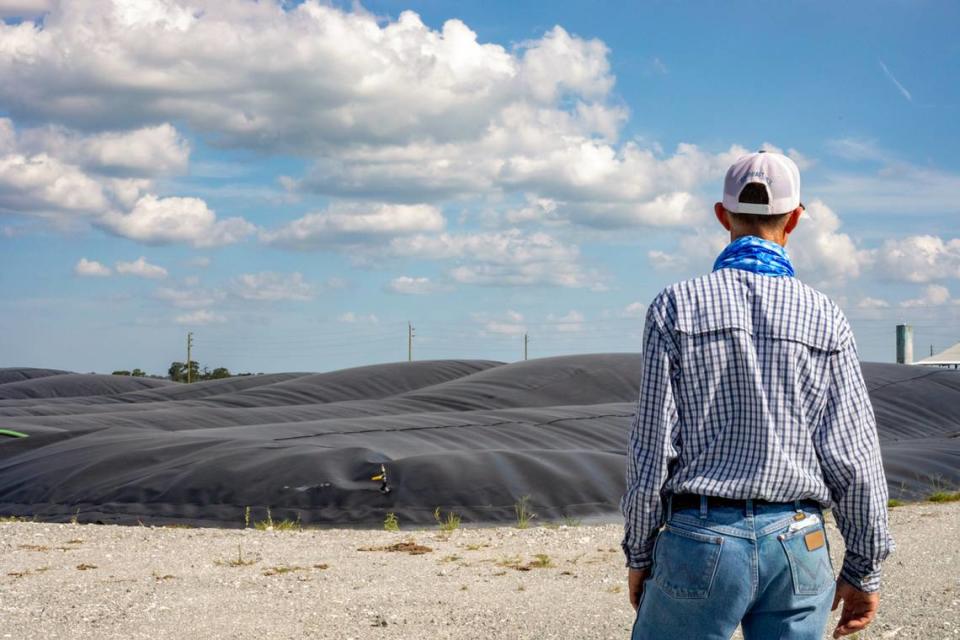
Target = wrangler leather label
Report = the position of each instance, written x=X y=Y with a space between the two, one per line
x=814 y=540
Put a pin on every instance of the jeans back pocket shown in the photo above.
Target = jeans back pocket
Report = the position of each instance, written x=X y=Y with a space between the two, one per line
x=811 y=569
x=685 y=562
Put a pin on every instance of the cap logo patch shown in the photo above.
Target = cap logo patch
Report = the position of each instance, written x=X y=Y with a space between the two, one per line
x=755 y=174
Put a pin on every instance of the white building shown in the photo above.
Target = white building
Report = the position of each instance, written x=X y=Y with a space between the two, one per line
x=949 y=357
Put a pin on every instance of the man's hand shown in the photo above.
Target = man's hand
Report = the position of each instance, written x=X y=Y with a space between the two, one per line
x=635 y=585
x=859 y=608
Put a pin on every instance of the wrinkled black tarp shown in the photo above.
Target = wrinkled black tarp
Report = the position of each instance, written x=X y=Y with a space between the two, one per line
x=467 y=436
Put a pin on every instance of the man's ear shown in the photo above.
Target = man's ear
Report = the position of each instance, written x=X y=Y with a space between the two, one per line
x=722 y=216
x=792 y=220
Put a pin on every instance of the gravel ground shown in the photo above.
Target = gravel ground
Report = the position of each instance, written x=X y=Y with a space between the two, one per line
x=90 y=581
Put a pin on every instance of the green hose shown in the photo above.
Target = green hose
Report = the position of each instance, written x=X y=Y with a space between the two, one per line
x=12 y=434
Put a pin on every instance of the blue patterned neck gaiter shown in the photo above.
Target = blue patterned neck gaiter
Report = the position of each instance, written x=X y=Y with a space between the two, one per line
x=751 y=253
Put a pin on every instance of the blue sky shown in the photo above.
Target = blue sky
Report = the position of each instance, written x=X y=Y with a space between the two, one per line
x=294 y=184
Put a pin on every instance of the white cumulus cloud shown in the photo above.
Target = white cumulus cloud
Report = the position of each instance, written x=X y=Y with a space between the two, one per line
x=507 y=258
x=411 y=285
x=91 y=268
x=345 y=224
x=147 y=151
x=24 y=8
x=386 y=110
x=272 y=286
x=821 y=252
x=104 y=179
x=43 y=185
x=635 y=310
x=570 y=322
x=920 y=258
x=155 y=220
x=199 y=318
x=510 y=323
x=189 y=297
x=351 y=317
x=872 y=303
x=141 y=268
x=934 y=295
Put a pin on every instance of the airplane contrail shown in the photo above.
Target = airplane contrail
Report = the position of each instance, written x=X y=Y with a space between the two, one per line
x=903 y=90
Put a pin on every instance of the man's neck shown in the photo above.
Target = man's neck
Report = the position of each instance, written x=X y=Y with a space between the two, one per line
x=779 y=238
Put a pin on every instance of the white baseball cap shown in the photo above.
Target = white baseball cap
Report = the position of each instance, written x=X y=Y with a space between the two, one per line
x=778 y=173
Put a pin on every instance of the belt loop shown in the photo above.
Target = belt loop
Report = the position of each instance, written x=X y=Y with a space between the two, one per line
x=748 y=506
x=703 y=506
x=797 y=506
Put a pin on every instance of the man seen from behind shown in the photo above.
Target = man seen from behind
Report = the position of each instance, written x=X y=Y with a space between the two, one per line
x=753 y=416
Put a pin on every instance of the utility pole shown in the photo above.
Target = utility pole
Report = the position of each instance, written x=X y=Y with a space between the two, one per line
x=526 y=339
x=410 y=335
x=189 y=347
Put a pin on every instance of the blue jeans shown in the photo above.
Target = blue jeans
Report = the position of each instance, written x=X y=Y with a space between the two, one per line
x=763 y=566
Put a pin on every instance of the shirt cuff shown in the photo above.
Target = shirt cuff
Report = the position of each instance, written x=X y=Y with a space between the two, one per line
x=641 y=558
x=859 y=578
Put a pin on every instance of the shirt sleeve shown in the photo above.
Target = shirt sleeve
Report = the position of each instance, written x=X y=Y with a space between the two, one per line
x=846 y=441
x=650 y=451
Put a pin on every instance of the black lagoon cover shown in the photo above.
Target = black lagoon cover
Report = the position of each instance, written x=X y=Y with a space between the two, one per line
x=470 y=436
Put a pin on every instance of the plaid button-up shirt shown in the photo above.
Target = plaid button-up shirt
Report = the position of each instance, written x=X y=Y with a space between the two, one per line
x=751 y=388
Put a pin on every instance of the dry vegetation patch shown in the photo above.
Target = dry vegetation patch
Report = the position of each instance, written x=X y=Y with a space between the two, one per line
x=408 y=546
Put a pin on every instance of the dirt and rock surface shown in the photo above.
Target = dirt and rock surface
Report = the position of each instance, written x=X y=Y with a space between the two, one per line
x=63 y=581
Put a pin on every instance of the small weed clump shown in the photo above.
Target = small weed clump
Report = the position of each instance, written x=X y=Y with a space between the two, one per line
x=567 y=521
x=239 y=561
x=391 y=522
x=277 y=525
x=449 y=524
x=524 y=515
x=541 y=561
x=409 y=546
x=27 y=572
x=8 y=519
x=279 y=571
x=893 y=503
x=944 y=496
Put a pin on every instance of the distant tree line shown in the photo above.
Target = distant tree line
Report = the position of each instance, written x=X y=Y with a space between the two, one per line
x=136 y=373
x=178 y=372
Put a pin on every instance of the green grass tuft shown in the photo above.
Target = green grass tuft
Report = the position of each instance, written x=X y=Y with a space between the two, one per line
x=279 y=571
x=448 y=524
x=277 y=525
x=892 y=503
x=7 y=519
x=541 y=561
x=944 y=496
x=239 y=561
x=391 y=522
x=524 y=515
